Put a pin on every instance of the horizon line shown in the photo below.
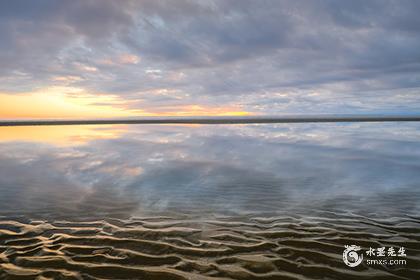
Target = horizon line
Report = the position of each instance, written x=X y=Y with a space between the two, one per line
x=319 y=118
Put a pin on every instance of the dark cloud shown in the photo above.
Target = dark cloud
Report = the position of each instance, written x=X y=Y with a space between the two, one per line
x=240 y=49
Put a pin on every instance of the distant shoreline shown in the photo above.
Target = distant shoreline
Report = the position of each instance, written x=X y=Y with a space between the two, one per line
x=221 y=120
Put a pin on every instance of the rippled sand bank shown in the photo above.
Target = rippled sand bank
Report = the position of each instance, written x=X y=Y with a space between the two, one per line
x=218 y=247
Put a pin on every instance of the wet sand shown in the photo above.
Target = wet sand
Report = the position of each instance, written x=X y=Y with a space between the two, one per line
x=298 y=244
x=303 y=242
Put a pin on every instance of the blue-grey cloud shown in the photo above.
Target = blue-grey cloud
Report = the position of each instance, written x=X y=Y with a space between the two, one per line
x=242 y=52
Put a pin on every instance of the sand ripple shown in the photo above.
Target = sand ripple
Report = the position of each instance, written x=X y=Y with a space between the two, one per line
x=298 y=247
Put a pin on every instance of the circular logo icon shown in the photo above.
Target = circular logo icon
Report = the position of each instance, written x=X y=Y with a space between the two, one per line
x=351 y=257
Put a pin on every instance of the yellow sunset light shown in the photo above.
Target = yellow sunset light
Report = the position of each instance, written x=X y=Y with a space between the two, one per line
x=60 y=102
x=63 y=102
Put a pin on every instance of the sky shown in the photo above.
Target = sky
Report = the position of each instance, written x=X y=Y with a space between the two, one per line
x=101 y=58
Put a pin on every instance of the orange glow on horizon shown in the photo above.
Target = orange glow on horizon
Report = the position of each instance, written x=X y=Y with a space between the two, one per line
x=197 y=110
x=59 y=102
x=75 y=103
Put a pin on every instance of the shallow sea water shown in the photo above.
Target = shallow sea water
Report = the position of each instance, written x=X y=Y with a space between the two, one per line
x=271 y=201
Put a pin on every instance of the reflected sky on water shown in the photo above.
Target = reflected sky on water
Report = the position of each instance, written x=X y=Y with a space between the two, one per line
x=131 y=170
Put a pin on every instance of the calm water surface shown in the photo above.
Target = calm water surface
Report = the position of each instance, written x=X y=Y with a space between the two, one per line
x=208 y=202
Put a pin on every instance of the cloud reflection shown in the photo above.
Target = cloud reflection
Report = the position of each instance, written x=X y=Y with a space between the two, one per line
x=215 y=169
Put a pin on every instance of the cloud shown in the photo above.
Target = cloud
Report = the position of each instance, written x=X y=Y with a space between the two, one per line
x=239 y=52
